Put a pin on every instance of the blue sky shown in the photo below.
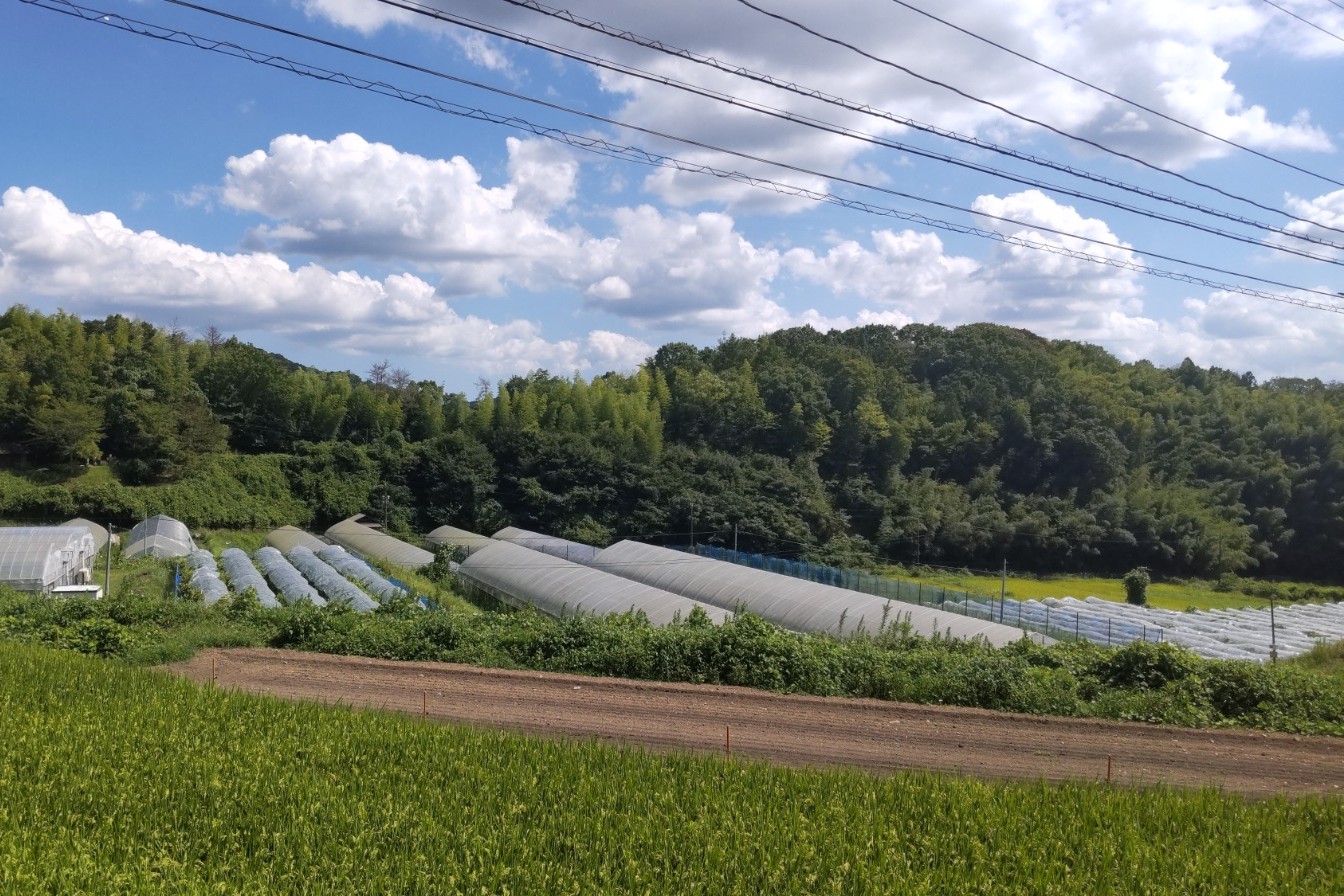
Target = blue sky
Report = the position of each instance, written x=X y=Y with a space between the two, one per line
x=342 y=227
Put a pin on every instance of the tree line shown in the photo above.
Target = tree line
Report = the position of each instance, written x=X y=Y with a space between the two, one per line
x=920 y=444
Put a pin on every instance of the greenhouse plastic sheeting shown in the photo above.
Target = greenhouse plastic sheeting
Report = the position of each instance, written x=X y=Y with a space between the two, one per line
x=1241 y=634
x=294 y=588
x=39 y=558
x=100 y=535
x=287 y=538
x=522 y=577
x=336 y=588
x=243 y=575
x=360 y=539
x=158 y=536
x=794 y=604
x=201 y=559
x=350 y=566
x=206 y=580
x=573 y=551
x=447 y=535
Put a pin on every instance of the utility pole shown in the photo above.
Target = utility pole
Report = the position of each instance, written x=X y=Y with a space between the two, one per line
x=1273 y=634
x=1003 y=588
x=107 y=573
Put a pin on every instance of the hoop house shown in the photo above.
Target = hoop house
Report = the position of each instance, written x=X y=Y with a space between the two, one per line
x=521 y=577
x=40 y=558
x=573 y=551
x=287 y=538
x=360 y=539
x=794 y=604
x=446 y=536
x=159 y=536
x=100 y=535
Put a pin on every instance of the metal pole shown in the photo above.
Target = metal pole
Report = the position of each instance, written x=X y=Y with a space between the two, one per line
x=107 y=574
x=734 y=538
x=1273 y=634
x=1003 y=588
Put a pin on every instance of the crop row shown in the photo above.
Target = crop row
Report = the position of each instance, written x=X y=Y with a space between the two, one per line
x=116 y=780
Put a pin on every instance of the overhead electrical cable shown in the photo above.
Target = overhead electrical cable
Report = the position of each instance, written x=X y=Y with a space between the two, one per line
x=822 y=96
x=744 y=155
x=1304 y=20
x=889 y=143
x=628 y=153
x=1115 y=96
x=780 y=17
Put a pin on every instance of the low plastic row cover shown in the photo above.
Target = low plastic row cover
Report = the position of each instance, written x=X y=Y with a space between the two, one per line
x=243 y=576
x=341 y=560
x=207 y=582
x=294 y=588
x=334 y=586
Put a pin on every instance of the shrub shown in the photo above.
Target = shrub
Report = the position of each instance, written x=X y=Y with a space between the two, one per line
x=1136 y=583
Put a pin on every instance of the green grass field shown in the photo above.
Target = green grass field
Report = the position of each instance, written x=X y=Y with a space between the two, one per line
x=1166 y=596
x=123 y=781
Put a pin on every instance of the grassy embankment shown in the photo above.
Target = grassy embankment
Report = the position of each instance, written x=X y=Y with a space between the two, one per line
x=117 y=780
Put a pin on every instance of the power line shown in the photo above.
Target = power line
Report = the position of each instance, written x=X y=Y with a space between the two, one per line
x=821 y=96
x=628 y=153
x=1020 y=117
x=1137 y=105
x=1304 y=20
x=803 y=192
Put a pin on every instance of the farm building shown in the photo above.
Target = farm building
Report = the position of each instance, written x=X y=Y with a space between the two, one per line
x=367 y=541
x=40 y=558
x=159 y=536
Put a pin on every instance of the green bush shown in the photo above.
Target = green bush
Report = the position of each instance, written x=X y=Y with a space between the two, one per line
x=1136 y=583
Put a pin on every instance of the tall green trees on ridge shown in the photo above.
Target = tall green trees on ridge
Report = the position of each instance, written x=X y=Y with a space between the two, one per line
x=963 y=446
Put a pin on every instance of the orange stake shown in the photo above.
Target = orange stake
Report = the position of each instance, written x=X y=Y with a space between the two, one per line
x=727 y=740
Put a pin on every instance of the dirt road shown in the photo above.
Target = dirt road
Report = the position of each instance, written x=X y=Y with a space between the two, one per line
x=794 y=730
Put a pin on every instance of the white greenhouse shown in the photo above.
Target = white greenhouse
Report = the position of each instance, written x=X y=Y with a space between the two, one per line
x=287 y=538
x=100 y=535
x=40 y=558
x=521 y=577
x=447 y=536
x=369 y=542
x=794 y=604
x=160 y=537
x=573 y=551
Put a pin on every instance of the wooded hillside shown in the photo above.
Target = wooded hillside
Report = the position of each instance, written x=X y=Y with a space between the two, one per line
x=964 y=447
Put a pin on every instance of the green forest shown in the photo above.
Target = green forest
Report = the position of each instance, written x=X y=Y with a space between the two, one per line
x=920 y=444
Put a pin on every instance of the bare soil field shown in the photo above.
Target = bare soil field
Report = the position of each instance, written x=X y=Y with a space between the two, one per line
x=793 y=730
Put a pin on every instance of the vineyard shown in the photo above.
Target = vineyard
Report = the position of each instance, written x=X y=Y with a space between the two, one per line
x=117 y=780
